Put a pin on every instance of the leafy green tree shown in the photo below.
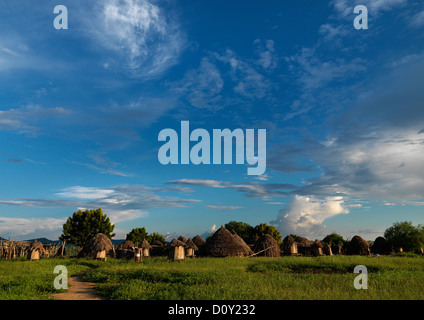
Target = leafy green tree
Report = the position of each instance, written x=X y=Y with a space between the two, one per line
x=264 y=228
x=334 y=238
x=84 y=224
x=405 y=235
x=137 y=235
x=155 y=236
x=244 y=230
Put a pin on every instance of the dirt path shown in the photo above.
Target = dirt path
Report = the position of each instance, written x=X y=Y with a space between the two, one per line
x=78 y=290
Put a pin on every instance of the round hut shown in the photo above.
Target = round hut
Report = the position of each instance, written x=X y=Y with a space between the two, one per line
x=182 y=239
x=267 y=246
x=176 y=250
x=146 y=248
x=290 y=246
x=157 y=248
x=317 y=248
x=224 y=244
x=243 y=243
x=381 y=246
x=200 y=243
x=304 y=246
x=36 y=250
x=190 y=249
x=125 y=250
x=357 y=246
x=98 y=246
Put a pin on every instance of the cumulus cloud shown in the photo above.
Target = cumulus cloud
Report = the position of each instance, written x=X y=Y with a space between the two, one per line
x=304 y=215
x=24 y=227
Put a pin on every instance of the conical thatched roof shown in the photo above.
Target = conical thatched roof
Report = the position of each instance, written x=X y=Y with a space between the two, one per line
x=304 y=242
x=145 y=244
x=157 y=243
x=37 y=246
x=357 y=246
x=127 y=244
x=381 y=246
x=177 y=243
x=191 y=244
x=224 y=244
x=268 y=246
x=182 y=239
x=198 y=241
x=96 y=243
x=243 y=243
x=289 y=240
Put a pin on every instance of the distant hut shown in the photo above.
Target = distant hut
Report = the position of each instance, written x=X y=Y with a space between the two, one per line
x=176 y=250
x=243 y=243
x=224 y=244
x=357 y=246
x=381 y=246
x=125 y=250
x=200 y=244
x=267 y=246
x=182 y=239
x=304 y=246
x=98 y=246
x=290 y=246
x=157 y=248
x=317 y=248
x=146 y=248
x=36 y=250
x=190 y=249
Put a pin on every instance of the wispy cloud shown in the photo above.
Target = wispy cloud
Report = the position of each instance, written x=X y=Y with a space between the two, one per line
x=145 y=36
x=223 y=207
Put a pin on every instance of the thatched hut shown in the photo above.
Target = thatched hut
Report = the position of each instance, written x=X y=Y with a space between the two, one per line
x=267 y=246
x=224 y=244
x=290 y=246
x=357 y=246
x=157 y=248
x=190 y=249
x=200 y=243
x=336 y=249
x=125 y=250
x=182 y=239
x=243 y=243
x=176 y=250
x=317 y=247
x=36 y=250
x=304 y=246
x=381 y=246
x=146 y=248
x=98 y=246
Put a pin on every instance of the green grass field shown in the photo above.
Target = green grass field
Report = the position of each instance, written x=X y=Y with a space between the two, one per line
x=389 y=277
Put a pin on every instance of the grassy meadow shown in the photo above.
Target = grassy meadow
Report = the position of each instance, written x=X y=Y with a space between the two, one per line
x=389 y=277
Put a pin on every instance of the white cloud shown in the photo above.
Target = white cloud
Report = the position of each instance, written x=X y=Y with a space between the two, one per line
x=304 y=215
x=23 y=226
x=143 y=34
x=417 y=20
x=223 y=207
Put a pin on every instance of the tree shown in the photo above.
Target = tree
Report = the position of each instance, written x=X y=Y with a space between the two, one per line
x=85 y=224
x=137 y=235
x=264 y=228
x=406 y=236
x=334 y=238
x=244 y=230
x=155 y=236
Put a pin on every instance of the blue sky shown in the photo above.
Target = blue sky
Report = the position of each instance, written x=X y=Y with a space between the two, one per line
x=81 y=110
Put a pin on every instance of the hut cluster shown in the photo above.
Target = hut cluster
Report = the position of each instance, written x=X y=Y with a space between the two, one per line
x=223 y=243
x=32 y=250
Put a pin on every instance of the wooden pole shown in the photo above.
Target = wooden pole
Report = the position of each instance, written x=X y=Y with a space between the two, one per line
x=63 y=247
